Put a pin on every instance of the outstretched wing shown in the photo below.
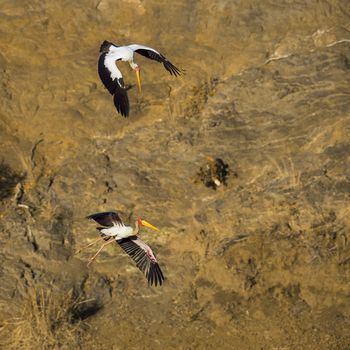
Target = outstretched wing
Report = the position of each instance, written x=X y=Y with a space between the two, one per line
x=145 y=260
x=108 y=75
x=155 y=55
x=112 y=79
x=107 y=218
x=121 y=101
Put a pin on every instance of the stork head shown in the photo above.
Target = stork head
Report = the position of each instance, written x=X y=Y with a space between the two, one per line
x=136 y=68
x=141 y=222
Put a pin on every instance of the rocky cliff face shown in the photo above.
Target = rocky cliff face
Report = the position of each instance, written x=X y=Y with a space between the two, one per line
x=261 y=261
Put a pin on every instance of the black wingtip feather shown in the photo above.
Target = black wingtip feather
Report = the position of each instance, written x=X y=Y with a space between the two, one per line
x=151 y=276
x=121 y=101
x=155 y=275
x=172 y=69
x=159 y=276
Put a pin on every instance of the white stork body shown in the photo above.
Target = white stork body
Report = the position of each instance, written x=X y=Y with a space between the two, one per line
x=112 y=77
x=128 y=240
x=117 y=231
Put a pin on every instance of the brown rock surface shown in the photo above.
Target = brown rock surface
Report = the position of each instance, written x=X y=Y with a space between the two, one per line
x=261 y=263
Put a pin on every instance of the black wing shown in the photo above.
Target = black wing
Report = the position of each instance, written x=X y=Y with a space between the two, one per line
x=105 y=75
x=115 y=87
x=145 y=260
x=155 y=55
x=108 y=218
x=121 y=101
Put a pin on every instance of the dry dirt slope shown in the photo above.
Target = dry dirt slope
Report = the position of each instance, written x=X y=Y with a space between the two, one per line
x=261 y=263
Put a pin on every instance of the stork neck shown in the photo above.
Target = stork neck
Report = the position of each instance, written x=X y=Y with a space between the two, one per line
x=133 y=65
x=137 y=228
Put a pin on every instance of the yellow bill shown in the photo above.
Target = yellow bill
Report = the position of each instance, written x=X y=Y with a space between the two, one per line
x=137 y=71
x=147 y=224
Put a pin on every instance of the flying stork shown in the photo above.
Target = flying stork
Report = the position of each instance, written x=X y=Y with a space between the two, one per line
x=111 y=76
x=114 y=230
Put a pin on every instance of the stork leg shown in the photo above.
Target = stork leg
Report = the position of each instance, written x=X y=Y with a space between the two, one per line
x=89 y=245
x=98 y=252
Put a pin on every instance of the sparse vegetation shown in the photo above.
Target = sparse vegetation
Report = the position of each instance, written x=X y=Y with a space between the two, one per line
x=49 y=320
